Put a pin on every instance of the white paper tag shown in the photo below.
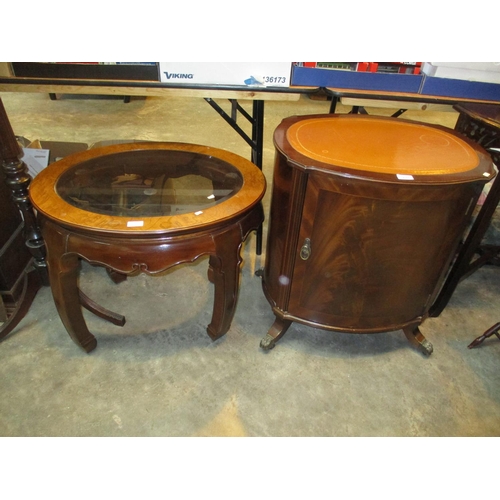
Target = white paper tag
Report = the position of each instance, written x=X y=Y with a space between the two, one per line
x=404 y=177
x=135 y=223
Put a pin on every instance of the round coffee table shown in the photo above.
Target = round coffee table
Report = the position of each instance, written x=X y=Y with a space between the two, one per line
x=145 y=207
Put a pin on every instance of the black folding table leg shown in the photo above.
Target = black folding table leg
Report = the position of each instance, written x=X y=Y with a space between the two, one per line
x=257 y=151
x=333 y=104
x=256 y=142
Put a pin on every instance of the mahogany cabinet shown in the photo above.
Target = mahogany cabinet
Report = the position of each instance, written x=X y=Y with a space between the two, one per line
x=366 y=216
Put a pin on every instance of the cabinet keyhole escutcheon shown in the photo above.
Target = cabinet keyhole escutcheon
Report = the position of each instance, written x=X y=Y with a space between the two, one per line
x=305 y=251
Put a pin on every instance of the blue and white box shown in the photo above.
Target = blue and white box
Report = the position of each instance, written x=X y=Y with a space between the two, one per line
x=248 y=74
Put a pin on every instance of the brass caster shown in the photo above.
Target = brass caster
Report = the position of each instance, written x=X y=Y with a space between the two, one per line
x=426 y=347
x=268 y=342
x=414 y=335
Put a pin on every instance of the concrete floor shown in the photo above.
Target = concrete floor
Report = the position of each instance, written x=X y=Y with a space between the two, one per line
x=161 y=375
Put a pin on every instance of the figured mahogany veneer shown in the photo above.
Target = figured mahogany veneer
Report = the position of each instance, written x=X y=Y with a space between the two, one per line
x=146 y=207
x=366 y=216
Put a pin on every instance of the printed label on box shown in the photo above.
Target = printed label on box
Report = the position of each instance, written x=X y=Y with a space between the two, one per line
x=245 y=74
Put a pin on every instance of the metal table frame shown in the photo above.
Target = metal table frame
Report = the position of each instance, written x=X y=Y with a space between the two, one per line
x=395 y=97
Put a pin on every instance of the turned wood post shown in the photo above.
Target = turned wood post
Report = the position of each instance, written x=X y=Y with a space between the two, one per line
x=18 y=181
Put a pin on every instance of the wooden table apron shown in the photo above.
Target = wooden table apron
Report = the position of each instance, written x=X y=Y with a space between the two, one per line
x=153 y=252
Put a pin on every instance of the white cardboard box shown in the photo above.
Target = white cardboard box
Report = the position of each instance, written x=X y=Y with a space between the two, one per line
x=248 y=74
x=35 y=159
x=488 y=72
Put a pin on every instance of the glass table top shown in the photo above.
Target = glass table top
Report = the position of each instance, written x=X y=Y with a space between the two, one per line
x=149 y=183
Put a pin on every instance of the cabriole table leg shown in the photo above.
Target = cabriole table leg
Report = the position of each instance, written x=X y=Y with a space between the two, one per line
x=277 y=330
x=225 y=275
x=63 y=276
x=414 y=335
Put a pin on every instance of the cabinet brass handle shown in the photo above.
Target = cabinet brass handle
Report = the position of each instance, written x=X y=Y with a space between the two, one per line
x=305 y=251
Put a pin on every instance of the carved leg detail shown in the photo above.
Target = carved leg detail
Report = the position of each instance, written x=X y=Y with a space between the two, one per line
x=18 y=180
x=279 y=328
x=224 y=272
x=63 y=274
x=210 y=274
x=414 y=335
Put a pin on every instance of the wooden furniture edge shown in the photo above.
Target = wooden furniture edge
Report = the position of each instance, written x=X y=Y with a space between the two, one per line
x=405 y=96
x=151 y=89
